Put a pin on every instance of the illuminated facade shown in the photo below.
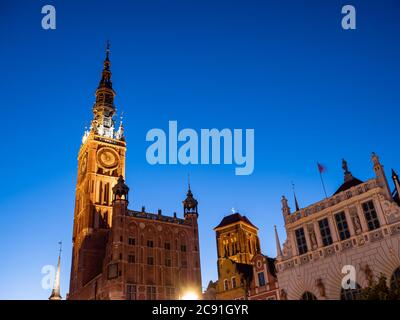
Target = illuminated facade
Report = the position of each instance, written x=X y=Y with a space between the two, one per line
x=359 y=226
x=243 y=271
x=120 y=253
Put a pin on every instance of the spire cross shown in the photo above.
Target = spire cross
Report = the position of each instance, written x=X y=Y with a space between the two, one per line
x=189 y=180
x=108 y=48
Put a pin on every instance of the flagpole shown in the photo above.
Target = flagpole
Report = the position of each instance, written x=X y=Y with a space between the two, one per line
x=323 y=184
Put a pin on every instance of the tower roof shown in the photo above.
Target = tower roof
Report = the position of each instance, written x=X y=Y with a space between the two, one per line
x=233 y=218
x=105 y=81
x=190 y=202
x=120 y=189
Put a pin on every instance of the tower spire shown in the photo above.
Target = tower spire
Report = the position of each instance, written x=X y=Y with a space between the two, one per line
x=380 y=175
x=278 y=244
x=55 y=294
x=106 y=74
x=396 y=182
x=295 y=198
x=104 y=108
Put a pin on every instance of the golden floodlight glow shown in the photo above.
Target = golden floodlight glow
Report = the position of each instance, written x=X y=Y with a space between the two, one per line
x=190 y=295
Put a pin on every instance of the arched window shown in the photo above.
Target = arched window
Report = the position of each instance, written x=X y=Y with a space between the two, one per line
x=351 y=294
x=308 y=296
x=395 y=279
x=226 y=285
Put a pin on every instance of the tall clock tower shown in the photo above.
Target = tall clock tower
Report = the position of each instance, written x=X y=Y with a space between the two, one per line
x=101 y=160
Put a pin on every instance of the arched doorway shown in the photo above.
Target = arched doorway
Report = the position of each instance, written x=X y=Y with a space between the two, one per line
x=395 y=279
x=351 y=294
x=308 y=296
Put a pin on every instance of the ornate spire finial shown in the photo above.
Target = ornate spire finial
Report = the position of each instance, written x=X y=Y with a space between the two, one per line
x=285 y=206
x=375 y=158
x=120 y=134
x=105 y=81
x=295 y=198
x=108 y=50
x=55 y=294
x=104 y=108
x=344 y=166
x=347 y=174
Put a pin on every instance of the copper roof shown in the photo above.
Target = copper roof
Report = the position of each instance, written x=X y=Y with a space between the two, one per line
x=233 y=218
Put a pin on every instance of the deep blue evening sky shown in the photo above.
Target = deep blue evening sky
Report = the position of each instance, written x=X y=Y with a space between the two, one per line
x=312 y=92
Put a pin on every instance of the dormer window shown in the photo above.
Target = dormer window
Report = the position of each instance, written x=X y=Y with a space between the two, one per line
x=301 y=241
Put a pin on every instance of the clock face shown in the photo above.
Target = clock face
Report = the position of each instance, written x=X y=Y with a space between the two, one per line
x=107 y=158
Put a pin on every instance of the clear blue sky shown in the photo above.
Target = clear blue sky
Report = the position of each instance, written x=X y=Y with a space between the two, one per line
x=312 y=92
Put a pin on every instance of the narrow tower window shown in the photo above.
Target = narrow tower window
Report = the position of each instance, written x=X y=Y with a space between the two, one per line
x=342 y=226
x=301 y=241
x=325 y=232
x=370 y=215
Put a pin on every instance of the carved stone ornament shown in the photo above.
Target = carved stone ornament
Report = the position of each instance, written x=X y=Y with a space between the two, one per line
x=390 y=209
x=287 y=249
x=313 y=238
x=355 y=220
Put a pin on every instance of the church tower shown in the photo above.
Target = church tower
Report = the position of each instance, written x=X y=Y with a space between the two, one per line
x=237 y=239
x=101 y=160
